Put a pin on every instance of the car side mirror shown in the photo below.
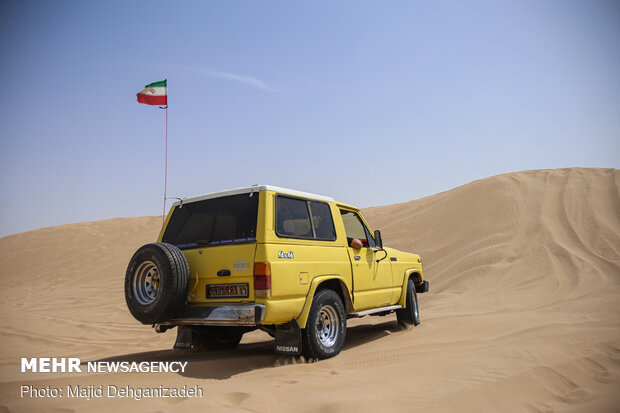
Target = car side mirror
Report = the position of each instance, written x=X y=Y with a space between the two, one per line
x=378 y=239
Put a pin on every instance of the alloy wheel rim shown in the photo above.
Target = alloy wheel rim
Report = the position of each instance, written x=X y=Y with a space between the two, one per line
x=146 y=282
x=328 y=326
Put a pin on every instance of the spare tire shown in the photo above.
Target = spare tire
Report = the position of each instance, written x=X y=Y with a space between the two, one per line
x=157 y=283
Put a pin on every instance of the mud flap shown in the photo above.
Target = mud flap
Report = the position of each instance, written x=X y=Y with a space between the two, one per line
x=288 y=339
x=185 y=337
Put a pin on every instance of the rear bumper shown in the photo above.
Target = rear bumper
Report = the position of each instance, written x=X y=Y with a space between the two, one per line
x=247 y=315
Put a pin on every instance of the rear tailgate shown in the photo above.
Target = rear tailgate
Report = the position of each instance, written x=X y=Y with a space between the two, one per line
x=222 y=274
x=218 y=238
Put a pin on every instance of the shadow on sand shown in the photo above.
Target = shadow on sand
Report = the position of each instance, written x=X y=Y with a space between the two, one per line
x=221 y=365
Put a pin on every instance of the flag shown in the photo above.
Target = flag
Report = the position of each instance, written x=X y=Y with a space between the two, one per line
x=155 y=93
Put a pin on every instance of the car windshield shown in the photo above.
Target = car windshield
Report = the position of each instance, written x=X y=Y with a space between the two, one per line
x=217 y=221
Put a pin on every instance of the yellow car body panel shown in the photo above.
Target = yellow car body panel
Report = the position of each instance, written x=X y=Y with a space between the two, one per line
x=291 y=278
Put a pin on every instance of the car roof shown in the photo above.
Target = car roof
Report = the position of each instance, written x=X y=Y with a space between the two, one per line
x=252 y=189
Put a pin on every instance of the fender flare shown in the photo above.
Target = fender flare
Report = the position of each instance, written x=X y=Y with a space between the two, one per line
x=416 y=274
x=302 y=318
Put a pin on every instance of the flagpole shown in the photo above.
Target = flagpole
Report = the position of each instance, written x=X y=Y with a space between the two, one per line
x=151 y=96
x=163 y=218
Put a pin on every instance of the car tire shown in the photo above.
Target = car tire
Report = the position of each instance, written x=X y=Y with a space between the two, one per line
x=326 y=328
x=410 y=315
x=157 y=283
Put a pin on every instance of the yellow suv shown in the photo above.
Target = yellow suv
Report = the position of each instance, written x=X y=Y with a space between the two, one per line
x=294 y=264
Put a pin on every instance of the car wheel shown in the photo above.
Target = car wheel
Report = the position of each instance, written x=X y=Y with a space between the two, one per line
x=410 y=315
x=326 y=328
x=156 y=283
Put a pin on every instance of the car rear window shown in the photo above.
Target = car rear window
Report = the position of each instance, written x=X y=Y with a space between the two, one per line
x=217 y=221
x=303 y=218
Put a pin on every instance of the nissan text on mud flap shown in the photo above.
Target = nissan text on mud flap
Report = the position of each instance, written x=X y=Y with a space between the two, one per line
x=293 y=264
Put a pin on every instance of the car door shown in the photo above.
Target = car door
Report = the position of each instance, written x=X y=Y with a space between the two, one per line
x=372 y=281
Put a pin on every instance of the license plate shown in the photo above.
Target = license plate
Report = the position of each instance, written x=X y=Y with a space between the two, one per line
x=228 y=290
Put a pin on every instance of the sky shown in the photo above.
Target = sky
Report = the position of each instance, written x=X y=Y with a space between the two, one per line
x=370 y=102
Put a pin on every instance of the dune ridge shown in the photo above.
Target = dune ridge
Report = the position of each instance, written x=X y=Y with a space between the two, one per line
x=523 y=312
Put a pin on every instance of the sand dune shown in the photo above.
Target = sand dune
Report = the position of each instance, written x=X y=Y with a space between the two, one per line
x=523 y=313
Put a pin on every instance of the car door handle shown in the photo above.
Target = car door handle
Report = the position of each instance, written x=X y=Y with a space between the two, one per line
x=357 y=257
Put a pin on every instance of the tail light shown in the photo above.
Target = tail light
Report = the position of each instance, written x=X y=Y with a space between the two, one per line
x=262 y=280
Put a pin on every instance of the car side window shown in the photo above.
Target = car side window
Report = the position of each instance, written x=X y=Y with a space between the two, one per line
x=302 y=218
x=321 y=216
x=356 y=229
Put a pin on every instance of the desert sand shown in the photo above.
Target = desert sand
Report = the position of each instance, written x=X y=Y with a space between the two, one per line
x=523 y=312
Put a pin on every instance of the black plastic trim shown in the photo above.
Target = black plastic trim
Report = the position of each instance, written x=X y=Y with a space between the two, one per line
x=422 y=288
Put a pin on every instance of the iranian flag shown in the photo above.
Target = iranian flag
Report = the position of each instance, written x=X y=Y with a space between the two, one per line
x=155 y=93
